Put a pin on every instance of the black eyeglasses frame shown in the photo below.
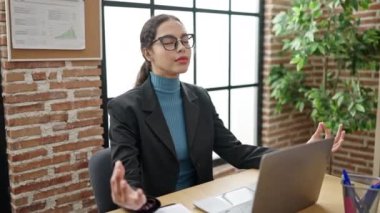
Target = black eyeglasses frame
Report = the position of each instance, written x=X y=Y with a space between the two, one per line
x=189 y=37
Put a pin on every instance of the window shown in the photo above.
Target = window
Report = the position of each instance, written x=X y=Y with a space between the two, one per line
x=227 y=51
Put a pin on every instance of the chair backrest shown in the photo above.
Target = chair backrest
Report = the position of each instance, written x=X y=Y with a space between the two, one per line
x=100 y=167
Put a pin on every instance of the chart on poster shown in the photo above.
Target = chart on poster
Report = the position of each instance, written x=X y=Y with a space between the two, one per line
x=51 y=30
x=53 y=24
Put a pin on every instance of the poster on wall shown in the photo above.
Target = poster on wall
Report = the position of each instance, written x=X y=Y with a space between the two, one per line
x=48 y=24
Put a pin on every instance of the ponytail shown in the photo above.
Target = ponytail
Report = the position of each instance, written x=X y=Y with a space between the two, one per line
x=143 y=73
x=147 y=36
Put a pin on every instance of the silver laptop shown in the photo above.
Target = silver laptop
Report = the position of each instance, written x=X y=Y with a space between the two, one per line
x=290 y=180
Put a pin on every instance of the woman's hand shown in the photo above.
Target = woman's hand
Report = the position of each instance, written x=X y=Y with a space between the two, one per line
x=339 y=138
x=122 y=193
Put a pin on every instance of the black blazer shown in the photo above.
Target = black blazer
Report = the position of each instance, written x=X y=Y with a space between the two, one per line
x=140 y=138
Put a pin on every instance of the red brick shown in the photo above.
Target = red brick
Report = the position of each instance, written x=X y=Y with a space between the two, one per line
x=78 y=145
x=346 y=165
x=64 y=106
x=375 y=6
x=89 y=202
x=81 y=156
x=364 y=14
x=371 y=21
x=12 y=77
x=83 y=175
x=52 y=76
x=365 y=170
x=277 y=60
x=96 y=149
x=88 y=93
x=19 y=87
x=3 y=29
x=90 y=132
x=31 y=65
x=2 y=5
x=44 y=96
x=85 y=63
x=38 y=142
x=71 y=167
x=29 y=175
x=2 y=16
x=20 y=201
x=37 y=119
x=81 y=72
x=351 y=160
x=364 y=28
x=277 y=118
x=38 y=76
x=25 y=108
x=78 y=124
x=278 y=2
x=74 y=197
x=38 y=185
x=75 y=84
x=355 y=142
x=61 y=190
x=28 y=155
x=3 y=40
x=369 y=83
x=40 y=163
x=93 y=113
x=280 y=131
x=24 y=132
x=337 y=168
x=362 y=155
x=365 y=74
x=32 y=207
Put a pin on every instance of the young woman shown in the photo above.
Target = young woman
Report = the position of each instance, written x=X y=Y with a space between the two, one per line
x=163 y=131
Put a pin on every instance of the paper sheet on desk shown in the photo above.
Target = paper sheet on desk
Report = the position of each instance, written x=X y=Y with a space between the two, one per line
x=175 y=208
x=236 y=201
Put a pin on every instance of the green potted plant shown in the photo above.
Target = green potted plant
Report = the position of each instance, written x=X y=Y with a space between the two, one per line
x=327 y=31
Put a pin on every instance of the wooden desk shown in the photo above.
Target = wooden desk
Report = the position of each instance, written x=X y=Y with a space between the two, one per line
x=330 y=198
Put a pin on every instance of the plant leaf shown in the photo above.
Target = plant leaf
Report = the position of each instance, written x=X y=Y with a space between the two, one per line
x=359 y=107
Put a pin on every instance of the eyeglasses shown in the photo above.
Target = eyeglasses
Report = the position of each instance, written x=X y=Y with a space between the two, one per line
x=170 y=42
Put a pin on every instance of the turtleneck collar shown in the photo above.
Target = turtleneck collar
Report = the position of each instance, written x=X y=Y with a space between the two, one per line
x=163 y=84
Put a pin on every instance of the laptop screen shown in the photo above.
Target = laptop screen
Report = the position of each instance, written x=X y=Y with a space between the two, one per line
x=290 y=179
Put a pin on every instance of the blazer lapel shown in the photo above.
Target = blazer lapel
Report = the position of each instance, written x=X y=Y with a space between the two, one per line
x=191 y=111
x=155 y=118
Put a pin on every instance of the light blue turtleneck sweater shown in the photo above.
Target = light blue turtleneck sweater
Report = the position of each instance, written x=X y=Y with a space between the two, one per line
x=168 y=91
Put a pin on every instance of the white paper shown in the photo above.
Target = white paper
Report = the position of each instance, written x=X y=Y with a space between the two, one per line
x=235 y=201
x=175 y=208
x=239 y=196
x=47 y=24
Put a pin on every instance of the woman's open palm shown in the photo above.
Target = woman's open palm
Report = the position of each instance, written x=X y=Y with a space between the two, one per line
x=122 y=193
x=322 y=129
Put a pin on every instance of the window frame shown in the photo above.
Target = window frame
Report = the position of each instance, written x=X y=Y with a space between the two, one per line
x=229 y=87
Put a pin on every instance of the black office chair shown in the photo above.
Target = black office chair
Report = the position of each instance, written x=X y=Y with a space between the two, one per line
x=100 y=167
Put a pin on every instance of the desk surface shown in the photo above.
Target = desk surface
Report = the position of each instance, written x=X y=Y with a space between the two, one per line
x=330 y=198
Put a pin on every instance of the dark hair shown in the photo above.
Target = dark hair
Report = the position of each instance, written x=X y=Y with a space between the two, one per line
x=147 y=35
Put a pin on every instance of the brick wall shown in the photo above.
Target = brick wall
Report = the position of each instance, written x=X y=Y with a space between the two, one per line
x=53 y=121
x=290 y=127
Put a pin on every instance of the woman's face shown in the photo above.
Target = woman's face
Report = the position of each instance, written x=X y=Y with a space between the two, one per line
x=169 y=63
